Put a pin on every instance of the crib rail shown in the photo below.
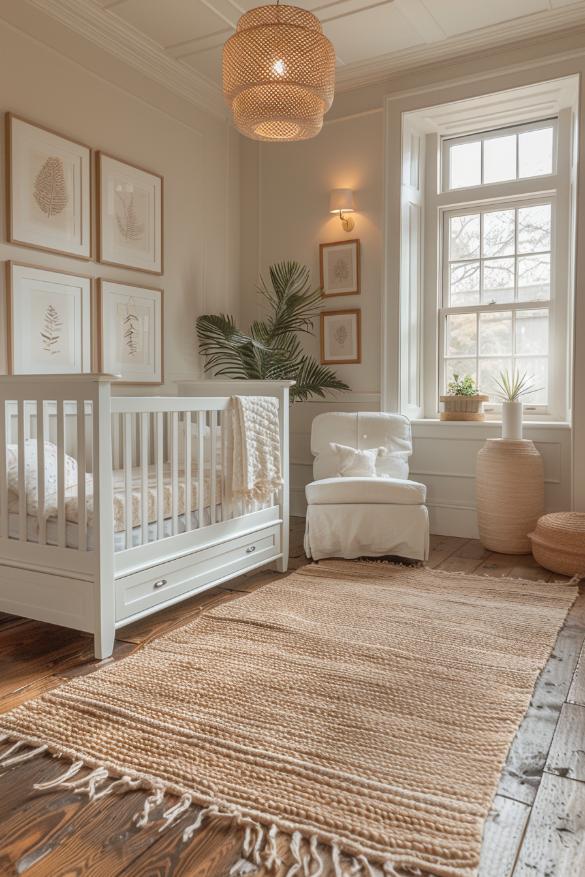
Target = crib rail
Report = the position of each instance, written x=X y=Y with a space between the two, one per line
x=172 y=455
x=50 y=449
x=76 y=461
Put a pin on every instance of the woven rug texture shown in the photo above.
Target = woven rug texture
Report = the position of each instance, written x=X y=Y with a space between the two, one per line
x=364 y=710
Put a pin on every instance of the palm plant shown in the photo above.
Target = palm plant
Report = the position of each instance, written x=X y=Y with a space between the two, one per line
x=272 y=348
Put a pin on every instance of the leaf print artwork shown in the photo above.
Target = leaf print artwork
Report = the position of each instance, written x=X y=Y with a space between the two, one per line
x=51 y=331
x=50 y=189
x=127 y=219
x=341 y=270
x=341 y=335
x=131 y=326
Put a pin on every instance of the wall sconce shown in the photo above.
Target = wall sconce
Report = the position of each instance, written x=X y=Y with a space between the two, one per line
x=341 y=201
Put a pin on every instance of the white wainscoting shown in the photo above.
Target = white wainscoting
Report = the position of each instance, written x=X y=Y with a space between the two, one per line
x=444 y=459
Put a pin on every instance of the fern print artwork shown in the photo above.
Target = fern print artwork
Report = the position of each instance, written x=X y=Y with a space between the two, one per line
x=341 y=271
x=50 y=188
x=131 y=329
x=127 y=219
x=51 y=331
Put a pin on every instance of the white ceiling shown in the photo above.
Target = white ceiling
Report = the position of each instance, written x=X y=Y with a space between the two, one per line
x=368 y=35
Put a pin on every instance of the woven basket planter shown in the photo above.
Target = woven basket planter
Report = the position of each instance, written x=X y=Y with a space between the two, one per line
x=510 y=494
x=558 y=543
x=463 y=407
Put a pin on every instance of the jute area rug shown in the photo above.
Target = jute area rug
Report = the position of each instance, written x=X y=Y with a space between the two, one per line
x=362 y=710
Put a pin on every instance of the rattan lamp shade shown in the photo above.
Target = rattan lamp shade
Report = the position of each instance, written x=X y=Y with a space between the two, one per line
x=278 y=74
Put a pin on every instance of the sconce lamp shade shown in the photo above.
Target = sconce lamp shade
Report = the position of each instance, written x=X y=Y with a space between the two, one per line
x=278 y=74
x=341 y=200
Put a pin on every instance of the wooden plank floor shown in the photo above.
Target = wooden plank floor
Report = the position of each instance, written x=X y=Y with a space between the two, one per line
x=536 y=827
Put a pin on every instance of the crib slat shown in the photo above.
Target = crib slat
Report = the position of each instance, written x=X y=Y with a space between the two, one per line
x=212 y=466
x=188 y=484
x=61 y=524
x=175 y=470
x=159 y=474
x=201 y=467
x=128 y=477
x=81 y=467
x=41 y=471
x=21 y=470
x=144 y=417
x=3 y=478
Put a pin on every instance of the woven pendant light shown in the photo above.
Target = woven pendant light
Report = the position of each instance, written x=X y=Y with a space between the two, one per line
x=278 y=74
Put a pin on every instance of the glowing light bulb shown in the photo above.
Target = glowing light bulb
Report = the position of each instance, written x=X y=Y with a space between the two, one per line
x=279 y=67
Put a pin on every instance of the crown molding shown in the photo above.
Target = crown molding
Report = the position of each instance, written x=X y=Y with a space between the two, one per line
x=139 y=51
x=535 y=28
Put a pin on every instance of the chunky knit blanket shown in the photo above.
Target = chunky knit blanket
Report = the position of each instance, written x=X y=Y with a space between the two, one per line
x=256 y=447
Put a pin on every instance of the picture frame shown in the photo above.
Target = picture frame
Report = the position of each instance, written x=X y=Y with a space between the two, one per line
x=339 y=268
x=48 y=320
x=130 y=332
x=48 y=189
x=130 y=215
x=341 y=337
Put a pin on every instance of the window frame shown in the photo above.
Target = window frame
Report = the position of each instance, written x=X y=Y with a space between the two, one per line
x=556 y=187
x=493 y=134
x=445 y=309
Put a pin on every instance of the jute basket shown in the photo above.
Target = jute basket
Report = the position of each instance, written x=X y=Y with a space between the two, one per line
x=463 y=407
x=510 y=494
x=558 y=542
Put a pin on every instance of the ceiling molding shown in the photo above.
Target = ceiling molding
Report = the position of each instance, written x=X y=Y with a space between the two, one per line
x=539 y=25
x=130 y=45
x=121 y=39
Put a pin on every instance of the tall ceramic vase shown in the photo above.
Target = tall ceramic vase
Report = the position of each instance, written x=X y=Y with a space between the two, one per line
x=512 y=421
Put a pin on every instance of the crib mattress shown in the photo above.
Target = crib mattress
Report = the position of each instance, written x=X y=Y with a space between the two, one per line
x=71 y=529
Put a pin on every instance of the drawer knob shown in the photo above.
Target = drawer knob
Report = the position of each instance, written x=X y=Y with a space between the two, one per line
x=160 y=583
x=250 y=549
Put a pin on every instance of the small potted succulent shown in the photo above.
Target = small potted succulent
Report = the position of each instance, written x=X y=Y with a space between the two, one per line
x=512 y=388
x=462 y=401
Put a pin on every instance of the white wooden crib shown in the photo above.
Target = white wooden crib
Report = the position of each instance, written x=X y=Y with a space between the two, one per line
x=148 y=519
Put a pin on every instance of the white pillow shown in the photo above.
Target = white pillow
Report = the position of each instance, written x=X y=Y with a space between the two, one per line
x=352 y=462
x=30 y=475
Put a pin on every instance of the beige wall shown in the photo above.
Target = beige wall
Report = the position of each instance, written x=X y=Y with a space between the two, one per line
x=292 y=183
x=197 y=154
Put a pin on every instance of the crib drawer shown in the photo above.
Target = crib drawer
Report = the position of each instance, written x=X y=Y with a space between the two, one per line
x=185 y=576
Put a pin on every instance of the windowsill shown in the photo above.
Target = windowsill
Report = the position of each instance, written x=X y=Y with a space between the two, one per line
x=479 y=424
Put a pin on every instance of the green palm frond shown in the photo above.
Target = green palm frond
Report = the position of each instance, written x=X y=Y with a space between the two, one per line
x=272 y=349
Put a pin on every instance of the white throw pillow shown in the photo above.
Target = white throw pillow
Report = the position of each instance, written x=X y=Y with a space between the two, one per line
x=31 y=478
x=352 y=462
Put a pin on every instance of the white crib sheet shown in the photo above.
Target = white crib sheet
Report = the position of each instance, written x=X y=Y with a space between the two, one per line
x=71 y=529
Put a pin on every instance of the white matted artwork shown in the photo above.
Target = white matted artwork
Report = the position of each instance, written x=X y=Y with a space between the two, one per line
x=131 y=332
x=49 y=189
x=49 y=321
x=130 y=215
x=341 y=337
x=340 y=268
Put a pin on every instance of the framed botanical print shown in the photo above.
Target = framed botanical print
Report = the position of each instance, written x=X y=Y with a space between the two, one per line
x=131 y=332
x=340 y=268
x=49 y=189
x=130 y=215
x=48 y=321
x=341 y=340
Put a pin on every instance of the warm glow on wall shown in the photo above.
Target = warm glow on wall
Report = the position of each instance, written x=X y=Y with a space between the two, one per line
x=341 y=202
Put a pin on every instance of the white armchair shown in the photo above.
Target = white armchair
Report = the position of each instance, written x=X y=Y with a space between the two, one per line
x=361 y=502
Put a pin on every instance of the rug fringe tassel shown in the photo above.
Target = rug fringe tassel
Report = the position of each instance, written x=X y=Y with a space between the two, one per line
x=577 y=578
x=25 y=756
x=260 y=845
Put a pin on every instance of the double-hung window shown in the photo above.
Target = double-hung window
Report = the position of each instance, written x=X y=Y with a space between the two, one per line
x=502 y=224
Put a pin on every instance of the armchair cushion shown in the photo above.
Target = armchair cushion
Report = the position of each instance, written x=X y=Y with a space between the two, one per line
x=389 y=491
x=350 y=461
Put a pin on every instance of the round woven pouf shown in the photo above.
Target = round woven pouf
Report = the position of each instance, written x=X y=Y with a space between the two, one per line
x=510 y=494
x=558 y=542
